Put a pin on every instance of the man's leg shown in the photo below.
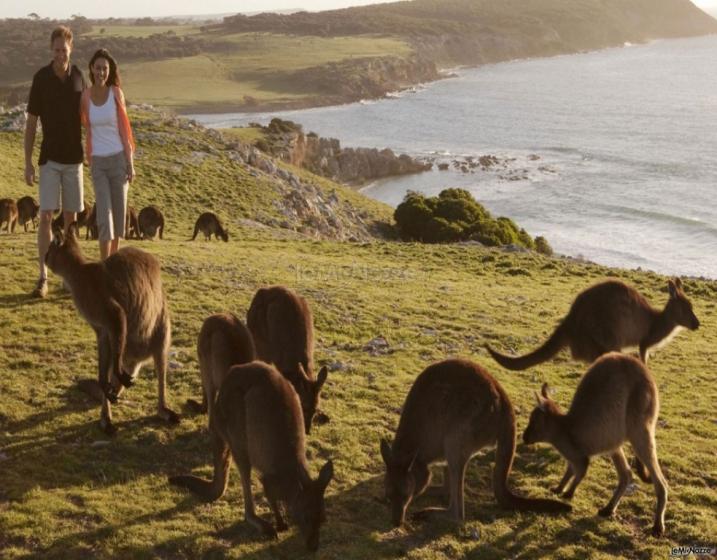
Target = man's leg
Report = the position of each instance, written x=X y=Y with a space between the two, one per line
x=49 y=201
x=72 y=193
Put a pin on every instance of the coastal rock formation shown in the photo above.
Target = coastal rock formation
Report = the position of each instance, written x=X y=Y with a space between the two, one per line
x=325 y=156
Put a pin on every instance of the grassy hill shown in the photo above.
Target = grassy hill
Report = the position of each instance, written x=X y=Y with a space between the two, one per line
x=272 y=61
x=69 y=493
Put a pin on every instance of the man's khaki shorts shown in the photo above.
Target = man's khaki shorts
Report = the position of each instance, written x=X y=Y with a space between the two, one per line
x=61 y=181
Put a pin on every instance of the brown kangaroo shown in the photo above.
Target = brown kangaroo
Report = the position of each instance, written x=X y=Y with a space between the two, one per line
x=224 y=341
x=453 y=409
x=610 y=316
x=208 y=223
x=123 y=301
x=58 y=223
x=92 y=230
x=282 y=327
x=132 y=224
x=8 y=213
x=257 y=417
x=151 y=222
x=616 y=401
x=28 y=209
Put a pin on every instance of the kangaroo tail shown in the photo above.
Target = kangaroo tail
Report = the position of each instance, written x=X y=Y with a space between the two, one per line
x=504 y=454
x=557 y=341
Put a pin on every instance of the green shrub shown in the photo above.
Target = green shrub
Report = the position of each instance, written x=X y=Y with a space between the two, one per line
x=542 y=246
x=454 y=215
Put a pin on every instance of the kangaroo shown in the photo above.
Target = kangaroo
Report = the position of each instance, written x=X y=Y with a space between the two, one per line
x=28 y=209
x=224 y=341
x=208 y=223
x=257 y=418
x=151 y=222
x=132 y=224
x=123 y=301
x=58 y=223
x=92 y=230
x=616 y=401
x=282 y=326
x=610 y=316
x=9 y=214
x=454 y=408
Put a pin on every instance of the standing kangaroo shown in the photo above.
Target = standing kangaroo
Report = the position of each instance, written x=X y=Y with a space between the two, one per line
x=224 y=341
x=282 y=326
x=151 y=222
x=123 y=301
x=82 y=220
x=610 y=316
x=208 y=223
x=257 y=416
x=453 y=409
x=28 y=209
x=616 y=401
x=132 y=224
x=8 y=214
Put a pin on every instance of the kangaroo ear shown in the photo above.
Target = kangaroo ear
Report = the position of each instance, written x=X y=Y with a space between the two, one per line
x=58 y=239
x=321 y=377
x=678 y=283
x=544 y=390
x=541 y=401
x=386 y=452
x=672 y=288
x=326 y=474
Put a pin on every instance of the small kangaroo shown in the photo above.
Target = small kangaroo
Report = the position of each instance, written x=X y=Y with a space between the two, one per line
x=132 y=224
x=454 y=408
x=123 y=301
x=28 y=209
x=257 y=417
x=224 y=341
x=151 y=222
x=616 y=401
x=282 y=327
x=92 y=230
x=82 y=219
x=208 y=223
x=9 y=214
x=610 y=316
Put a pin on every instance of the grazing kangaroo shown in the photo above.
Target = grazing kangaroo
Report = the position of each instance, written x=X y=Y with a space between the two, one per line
x=151 y=222
x=616 y=401
x=92 y=230
x=224 y=341
x=123 y=301
x=454 y=409
x=82 y=219
x=610 y=316
x=257 y=417
x=28 y=208
x=282 y=327
x=9 y=214
x=208 y=223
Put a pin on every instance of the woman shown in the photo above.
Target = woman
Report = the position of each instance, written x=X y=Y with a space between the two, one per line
x=109 y=149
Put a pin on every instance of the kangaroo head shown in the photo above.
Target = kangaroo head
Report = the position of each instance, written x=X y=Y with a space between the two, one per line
x=224 y=234
x=542 y=424
x=400 y=483
x=309 y=391
x=679 y=308
x=63 y=250
x=308 y=510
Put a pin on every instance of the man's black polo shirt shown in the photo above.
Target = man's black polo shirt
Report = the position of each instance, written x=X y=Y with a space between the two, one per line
x=57 y=103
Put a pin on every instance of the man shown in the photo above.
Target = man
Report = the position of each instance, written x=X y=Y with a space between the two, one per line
x=55 y=100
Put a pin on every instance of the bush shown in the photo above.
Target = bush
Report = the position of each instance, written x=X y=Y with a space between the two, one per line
x=542 y=246
x=454 y=215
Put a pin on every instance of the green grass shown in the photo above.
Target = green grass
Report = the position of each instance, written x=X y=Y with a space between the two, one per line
x=140 y=30
x=254 y=65
x=246 y=134
x=67 y=492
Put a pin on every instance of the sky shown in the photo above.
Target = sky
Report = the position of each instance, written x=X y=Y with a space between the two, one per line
x=155 y=8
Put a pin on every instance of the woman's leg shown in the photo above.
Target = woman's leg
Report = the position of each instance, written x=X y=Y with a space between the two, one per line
x=118 y=192
x=101 y=182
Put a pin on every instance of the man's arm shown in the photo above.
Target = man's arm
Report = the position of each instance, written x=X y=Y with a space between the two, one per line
x=30 y=131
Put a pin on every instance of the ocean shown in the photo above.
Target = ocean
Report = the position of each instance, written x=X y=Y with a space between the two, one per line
x=611 y=155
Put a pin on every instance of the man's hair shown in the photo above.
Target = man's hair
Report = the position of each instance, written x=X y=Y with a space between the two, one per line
x=63 y=32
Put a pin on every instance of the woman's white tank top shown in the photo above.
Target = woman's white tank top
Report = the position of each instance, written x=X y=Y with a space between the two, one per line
x=106 y=140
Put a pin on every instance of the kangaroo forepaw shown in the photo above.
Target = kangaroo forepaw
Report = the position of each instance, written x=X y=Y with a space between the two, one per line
x=111 y=394
x=125 y=378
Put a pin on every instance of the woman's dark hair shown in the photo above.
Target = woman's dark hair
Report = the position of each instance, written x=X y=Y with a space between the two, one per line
x=113 y=79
